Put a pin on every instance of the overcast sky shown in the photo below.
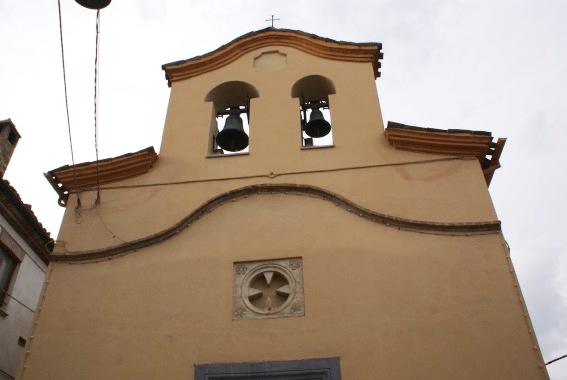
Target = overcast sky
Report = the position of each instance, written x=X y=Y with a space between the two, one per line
x=498 y=66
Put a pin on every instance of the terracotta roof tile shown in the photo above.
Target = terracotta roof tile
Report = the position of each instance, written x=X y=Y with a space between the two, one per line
x=86 y=175
x=452 y=142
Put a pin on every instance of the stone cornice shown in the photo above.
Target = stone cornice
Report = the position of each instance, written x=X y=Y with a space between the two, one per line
x=464 y=228
x=305 y=42
x=452 y=142
x=90 y=174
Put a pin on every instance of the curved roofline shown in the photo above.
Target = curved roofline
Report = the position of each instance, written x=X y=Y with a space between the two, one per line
x=308 y=43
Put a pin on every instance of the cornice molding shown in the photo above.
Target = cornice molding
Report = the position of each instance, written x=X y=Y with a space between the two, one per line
x=451 y=142
x=307 y=43
x=465 y=228
x=86 y=175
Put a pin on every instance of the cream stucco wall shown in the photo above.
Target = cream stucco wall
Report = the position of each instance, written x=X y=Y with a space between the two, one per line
x=390 y=303
x=450 y=191
x=401 y=304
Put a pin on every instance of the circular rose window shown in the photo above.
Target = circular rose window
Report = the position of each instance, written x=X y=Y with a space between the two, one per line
x=268 y=289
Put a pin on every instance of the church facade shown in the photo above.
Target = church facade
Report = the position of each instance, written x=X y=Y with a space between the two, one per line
x=283 y=233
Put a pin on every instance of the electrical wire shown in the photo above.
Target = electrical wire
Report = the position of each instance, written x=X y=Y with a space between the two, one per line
x=96 y=97
x=67 y=104
x=556 y=359
x=6 y=374
x=108 y=229
x=17 y=300
x=273 y=175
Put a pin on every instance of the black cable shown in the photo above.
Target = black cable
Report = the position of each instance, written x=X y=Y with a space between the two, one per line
x=108 y=229
x=17 y=300
x=67 y=105
x=556 y=359
x=97 y=201
x=6 y=374
x=274 y=175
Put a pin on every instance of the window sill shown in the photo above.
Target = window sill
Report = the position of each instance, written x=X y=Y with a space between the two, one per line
x=323 y=369
x=227 y=155
x=317 y=147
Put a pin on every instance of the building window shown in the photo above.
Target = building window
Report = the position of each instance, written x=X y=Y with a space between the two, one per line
x=309 y=369
x=314 y=110
x=12 y=137
x=8 y=264
x=230 y=120
x=268 y=289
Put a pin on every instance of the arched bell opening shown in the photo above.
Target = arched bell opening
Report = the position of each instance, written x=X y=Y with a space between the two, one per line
x=314 y=110
x=230 y=121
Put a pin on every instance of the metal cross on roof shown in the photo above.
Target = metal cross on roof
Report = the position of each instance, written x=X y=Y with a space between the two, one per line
x=272 y=20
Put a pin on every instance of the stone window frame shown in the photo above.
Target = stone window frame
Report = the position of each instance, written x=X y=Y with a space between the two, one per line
x=310 y=369
x=245 y=271
x=13 y=251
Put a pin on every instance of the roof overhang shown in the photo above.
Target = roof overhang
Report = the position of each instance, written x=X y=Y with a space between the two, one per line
x=451 y=142
x=87 y=175
x=22 y=219
x=308 y=43
x=12 y=126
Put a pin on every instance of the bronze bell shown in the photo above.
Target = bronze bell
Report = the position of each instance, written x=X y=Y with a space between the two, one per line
x=317 y=125
x=232 y=137
x=93 y=4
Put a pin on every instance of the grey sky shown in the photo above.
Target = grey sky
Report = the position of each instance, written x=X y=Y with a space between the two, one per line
x=499 y=66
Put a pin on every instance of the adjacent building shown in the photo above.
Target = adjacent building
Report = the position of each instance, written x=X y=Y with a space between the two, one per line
x=24 y=256
x=284 y=233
